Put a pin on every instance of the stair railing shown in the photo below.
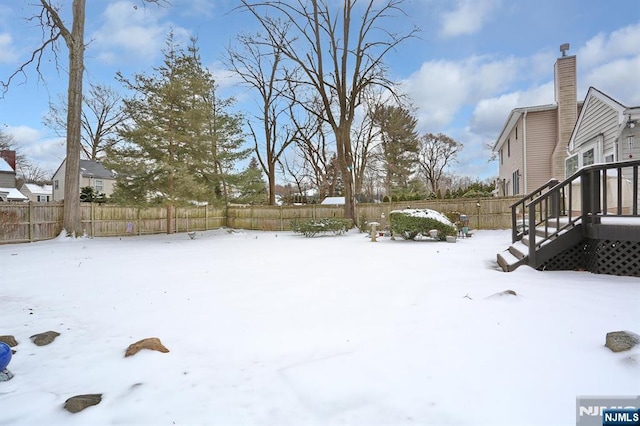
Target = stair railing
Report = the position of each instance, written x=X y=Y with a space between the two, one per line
x=519 y=210
x=585 y=197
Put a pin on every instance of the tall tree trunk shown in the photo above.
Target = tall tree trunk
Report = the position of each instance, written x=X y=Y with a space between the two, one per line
x=75 y=42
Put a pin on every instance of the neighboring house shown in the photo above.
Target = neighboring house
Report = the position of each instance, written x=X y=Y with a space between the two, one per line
x=7 y=170
x=37 y=193
x=532 y=146
x=92 y=173
x=8 y=191
x=606 y=131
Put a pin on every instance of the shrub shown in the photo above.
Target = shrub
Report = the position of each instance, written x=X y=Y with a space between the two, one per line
x=311 y=227
x=408 y=223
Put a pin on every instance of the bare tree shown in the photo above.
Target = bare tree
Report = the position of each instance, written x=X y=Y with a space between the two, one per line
x=53 y=28
x=101 y=115
x=258 y=63
x=336 y=66
x=436 y=153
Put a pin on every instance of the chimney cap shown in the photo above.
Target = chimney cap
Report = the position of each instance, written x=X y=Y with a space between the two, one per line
x=563 y=48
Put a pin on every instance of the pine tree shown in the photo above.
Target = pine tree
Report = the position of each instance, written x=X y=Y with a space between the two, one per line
x=251 y=189
x=180 y=144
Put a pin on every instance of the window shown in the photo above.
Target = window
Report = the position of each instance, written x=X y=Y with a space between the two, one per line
x=501 y=156
x=55 y=184
x=98 y=185
x=43 y=198
x=588 y=157
x=608 y=158
x=516 y=132
x=516 y=182
x=508 y=147
x=571 y=165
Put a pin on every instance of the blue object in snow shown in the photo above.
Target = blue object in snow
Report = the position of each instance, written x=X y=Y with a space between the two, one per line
x=5 y=355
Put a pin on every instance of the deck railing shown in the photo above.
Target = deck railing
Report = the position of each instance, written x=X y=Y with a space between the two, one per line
x=593 y=192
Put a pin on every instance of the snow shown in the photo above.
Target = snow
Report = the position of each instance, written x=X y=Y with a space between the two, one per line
x=426 y=213
x=271 y=328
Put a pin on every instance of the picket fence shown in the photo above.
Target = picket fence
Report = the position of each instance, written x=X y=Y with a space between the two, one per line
x=28 y=222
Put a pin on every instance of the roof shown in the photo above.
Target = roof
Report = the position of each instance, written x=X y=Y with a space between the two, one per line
x=333 y=201
x=513 y=119
x=39 y=189
x=90 y=168
x=14 y=194
x=4 y=166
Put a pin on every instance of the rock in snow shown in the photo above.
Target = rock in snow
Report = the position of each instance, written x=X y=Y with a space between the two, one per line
x=151 y=343
x=619 y=341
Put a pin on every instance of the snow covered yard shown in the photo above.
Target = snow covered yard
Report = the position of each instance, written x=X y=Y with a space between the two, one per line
x=271 y=328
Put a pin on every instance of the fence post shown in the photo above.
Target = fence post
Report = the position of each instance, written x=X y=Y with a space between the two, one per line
x=31 y=221
x=92 y=217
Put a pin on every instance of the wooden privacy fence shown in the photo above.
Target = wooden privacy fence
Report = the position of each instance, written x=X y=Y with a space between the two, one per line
x=25 y=222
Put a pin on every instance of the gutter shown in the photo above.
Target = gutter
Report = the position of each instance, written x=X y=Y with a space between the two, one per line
x=524 y=150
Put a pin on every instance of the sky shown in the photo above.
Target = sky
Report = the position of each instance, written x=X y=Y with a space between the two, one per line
x=260 y=332
x=471 y=63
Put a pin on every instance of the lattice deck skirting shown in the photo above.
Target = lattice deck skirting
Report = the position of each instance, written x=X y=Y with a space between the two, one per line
x=600 y=257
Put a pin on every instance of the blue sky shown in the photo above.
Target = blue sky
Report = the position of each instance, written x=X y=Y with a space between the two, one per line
x=473 y=61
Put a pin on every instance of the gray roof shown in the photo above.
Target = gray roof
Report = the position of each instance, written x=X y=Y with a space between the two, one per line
x=90 y=168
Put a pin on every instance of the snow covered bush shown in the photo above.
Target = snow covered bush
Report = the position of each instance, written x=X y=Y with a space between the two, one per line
x=311 y=227
x=408 y=223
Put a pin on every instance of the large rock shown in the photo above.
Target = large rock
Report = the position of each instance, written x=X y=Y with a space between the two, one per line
x=80 y=402
x=151 y=343
x=9 y=340
x=45 y=338
x=619 y=341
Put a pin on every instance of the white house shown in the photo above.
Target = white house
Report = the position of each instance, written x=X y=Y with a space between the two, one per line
x=92 y=173
x=8 y=191
x=37 y=193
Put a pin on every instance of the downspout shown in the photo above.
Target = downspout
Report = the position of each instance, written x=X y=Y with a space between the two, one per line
x=524 y=151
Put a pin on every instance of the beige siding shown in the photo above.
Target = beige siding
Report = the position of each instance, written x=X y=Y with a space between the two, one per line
x=541 y=141
x=511 y=159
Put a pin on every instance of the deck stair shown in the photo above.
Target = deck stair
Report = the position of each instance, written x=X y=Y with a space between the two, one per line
x=577 y=220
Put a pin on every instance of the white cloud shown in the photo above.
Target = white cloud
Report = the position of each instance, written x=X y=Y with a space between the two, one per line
x=44 y=151
x=197 y=7
x=603 y=48
x=7 y=50
x=441 y=88
x=131 y=32
x=490 y=114
x=468 y=17
x=618 y=79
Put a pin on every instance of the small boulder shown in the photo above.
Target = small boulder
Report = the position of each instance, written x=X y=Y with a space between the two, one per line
x=9 y=340
x=45 y=338
x=78 y=403
x=619 y=341
x=151 y=343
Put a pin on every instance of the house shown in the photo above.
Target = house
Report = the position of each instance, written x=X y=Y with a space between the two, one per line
x=37 y=193
x=532 y=146
x=8 y=191
x=92 y=173
x=605 y=131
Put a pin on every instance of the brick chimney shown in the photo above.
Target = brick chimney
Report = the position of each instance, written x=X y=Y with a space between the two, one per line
x=566 y=94
x=9 y=156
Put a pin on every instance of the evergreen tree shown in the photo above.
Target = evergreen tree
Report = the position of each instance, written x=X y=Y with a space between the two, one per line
x=180 y=144
x=398 y=145
x=251 y=189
